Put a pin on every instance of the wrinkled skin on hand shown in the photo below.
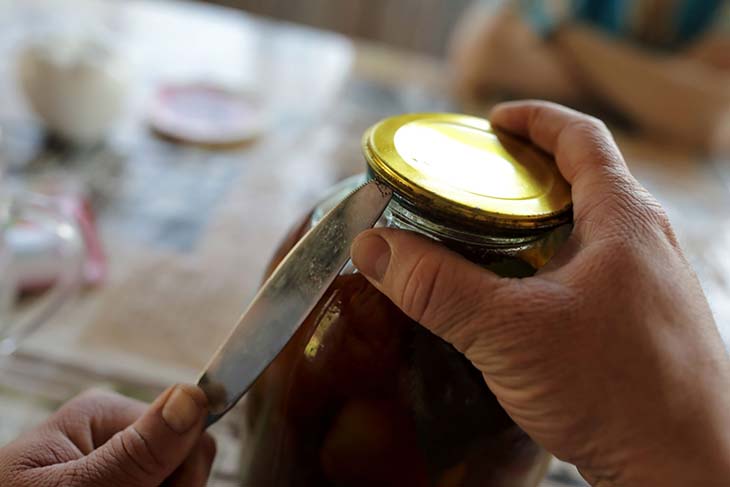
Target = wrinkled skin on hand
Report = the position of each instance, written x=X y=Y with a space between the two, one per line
x=104 y=439
x=609 y=356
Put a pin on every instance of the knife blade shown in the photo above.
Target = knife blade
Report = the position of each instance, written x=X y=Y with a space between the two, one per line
x=287 y=297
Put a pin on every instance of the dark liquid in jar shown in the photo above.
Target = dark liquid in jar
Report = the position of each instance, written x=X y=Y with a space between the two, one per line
x=364 y=396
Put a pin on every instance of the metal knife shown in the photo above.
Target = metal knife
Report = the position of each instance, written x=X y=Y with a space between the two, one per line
x=287 y=297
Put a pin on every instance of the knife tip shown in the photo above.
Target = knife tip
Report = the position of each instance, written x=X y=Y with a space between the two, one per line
x=218 y=401
x=212 y=419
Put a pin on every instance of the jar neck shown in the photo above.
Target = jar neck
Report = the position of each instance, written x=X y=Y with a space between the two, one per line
x=400 y=216
x=503 y=253
x=483 y=248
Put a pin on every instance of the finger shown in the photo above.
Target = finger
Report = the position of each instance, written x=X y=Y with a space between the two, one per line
x=553 y=128
x=92 y=418
x=154 y=446
x=585 y=153
x=434 y=286
x=194 y=472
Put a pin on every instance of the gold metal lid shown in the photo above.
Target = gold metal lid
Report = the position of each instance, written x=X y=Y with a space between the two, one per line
x=460 y=167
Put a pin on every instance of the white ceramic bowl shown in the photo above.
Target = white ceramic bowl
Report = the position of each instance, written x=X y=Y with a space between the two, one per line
x=76 y=85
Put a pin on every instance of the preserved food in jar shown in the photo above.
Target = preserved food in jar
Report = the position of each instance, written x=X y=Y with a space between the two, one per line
x=362 y=395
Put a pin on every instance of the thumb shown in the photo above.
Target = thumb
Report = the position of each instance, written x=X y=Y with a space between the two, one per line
x=434 y=286
x=148 y=451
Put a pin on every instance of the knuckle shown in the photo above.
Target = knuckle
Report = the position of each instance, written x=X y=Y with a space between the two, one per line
x=419 y=290
x=586 y=126
x=83 y=403
x=596 y=125
x=462 y=317
x=620 y=257
x=649 y=213
x=587 y=143
x=596 y=143
x=76 y=414
x=78 y=475
x=625 y=210
x=616 y=195
x=667 y=230
x=140 y=452
x=641 y=217
x=516 y=315
x=51 y=453
x=539 y=114
x=89 y=401
x=94 y=395
x=653 y=213
x=133 y=455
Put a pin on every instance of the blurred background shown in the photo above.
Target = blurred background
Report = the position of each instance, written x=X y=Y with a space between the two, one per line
x=423 y=26
x=142 y=140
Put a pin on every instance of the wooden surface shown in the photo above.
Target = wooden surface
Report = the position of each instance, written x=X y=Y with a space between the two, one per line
x=188 y=231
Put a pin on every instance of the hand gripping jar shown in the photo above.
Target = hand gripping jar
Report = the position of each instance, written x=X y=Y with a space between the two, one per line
x=363 y=396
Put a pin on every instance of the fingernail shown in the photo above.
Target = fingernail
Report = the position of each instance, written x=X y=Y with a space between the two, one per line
x=181 y=411
x=371 y=254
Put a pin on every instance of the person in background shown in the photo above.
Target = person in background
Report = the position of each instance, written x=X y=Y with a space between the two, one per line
x=664 y=65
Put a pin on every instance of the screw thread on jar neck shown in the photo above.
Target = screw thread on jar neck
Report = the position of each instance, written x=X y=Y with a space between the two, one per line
x=533 y=250
x=399 y=216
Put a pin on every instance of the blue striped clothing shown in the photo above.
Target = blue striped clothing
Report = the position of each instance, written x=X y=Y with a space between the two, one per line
x=675 y=26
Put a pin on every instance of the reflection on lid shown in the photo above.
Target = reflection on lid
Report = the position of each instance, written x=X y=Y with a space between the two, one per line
x=468 y=160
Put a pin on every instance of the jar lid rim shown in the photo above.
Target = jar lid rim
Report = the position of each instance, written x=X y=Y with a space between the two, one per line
x=460 y=167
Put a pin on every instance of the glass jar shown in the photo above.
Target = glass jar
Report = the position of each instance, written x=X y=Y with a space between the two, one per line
x=364 y=396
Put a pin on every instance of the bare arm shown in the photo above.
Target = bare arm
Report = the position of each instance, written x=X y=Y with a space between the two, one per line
x=681 y=97
x=494 y=51
x=712 y=50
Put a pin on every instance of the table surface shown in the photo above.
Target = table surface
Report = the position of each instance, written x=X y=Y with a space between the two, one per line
x=187 y=231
